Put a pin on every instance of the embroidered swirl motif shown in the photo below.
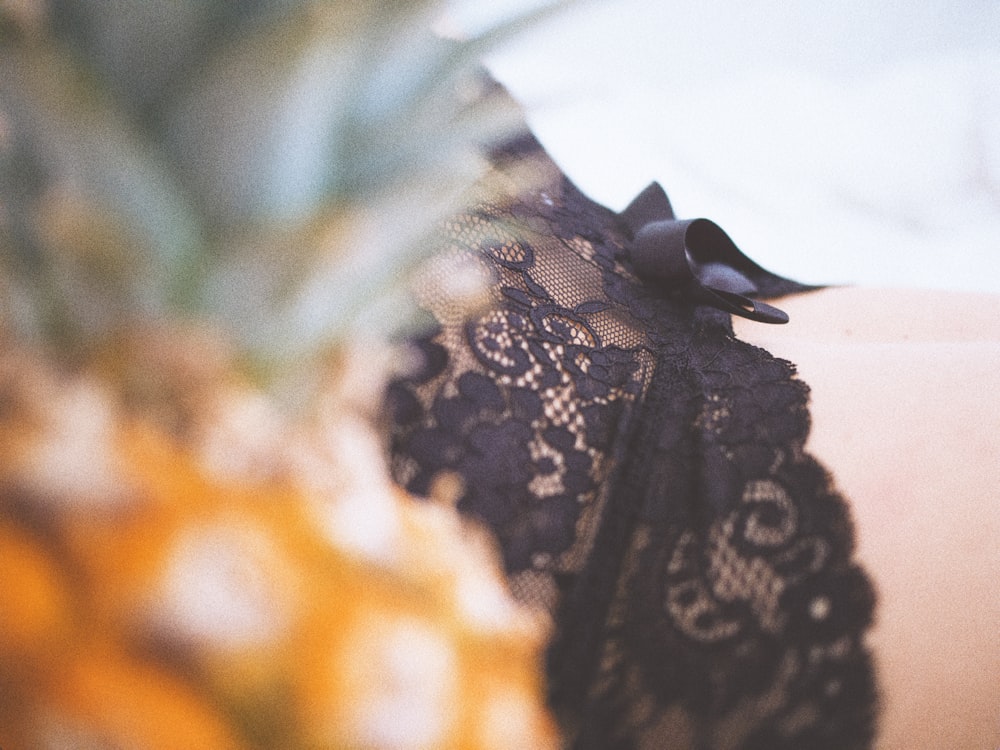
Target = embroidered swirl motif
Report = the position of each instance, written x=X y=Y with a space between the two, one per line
x=645 y=476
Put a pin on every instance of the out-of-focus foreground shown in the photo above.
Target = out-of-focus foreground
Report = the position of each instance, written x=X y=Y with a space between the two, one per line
x=209 y=213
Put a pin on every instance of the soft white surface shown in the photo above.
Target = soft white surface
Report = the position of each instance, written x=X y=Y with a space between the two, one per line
x=850 y=142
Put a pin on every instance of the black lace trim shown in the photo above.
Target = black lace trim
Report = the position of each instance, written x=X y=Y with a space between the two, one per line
x=644 y=473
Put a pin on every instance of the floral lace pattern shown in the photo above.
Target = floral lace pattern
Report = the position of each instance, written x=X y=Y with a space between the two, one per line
x=644 y=473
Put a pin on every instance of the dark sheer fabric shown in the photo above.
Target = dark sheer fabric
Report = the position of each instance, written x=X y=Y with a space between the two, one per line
x=644 y=473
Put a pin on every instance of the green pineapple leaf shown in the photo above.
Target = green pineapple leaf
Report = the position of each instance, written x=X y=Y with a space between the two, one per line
x=272 y=167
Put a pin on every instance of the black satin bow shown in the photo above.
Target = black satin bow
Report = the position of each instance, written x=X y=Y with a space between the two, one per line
x=694 y=256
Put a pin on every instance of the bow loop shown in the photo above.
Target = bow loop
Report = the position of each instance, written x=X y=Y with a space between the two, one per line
x=659 y=251
x=694 y=256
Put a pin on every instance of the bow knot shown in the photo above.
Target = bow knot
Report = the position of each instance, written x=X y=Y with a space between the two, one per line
x=695 y=256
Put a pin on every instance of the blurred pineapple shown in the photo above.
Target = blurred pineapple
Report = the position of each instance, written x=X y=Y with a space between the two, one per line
x=209 y=214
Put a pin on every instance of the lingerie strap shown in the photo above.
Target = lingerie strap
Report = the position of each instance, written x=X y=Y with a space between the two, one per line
x=643 y=471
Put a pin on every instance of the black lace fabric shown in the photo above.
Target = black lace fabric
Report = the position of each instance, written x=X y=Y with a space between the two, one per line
x=644 y=473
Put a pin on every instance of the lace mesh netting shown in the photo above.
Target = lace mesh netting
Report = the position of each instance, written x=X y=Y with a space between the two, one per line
x=644 y=473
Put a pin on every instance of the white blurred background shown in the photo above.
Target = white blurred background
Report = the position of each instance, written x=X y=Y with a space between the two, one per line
x=850 y=142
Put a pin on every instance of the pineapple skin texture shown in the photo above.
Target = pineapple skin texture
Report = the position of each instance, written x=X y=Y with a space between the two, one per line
x=151 y=602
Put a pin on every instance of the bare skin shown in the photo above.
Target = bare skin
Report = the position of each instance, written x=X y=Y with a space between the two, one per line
x=906 y=416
